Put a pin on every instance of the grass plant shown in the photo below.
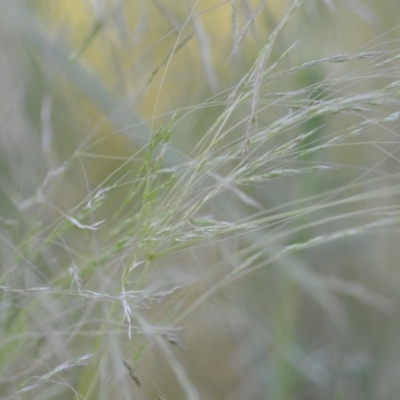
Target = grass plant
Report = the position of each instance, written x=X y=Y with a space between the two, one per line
x=233 y=239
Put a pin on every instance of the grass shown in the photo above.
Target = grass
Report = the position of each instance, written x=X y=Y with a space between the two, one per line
x=230 y=238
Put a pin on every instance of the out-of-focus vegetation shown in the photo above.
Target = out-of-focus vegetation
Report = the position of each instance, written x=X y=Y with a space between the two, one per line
x=199 y=199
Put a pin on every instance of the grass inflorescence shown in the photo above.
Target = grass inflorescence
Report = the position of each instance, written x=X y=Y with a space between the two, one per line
x=239 y=244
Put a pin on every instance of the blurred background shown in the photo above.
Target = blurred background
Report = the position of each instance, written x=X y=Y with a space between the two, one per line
x=120 y=278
